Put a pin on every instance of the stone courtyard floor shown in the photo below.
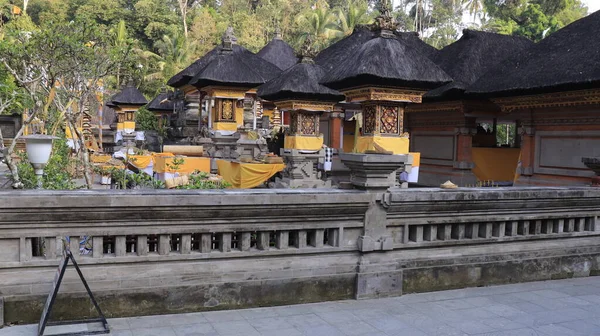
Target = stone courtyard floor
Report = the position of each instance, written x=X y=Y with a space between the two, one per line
x=561 y=307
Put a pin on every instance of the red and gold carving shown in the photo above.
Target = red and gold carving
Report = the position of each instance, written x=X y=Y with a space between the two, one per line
x=558 y=99
x=225 y=110
x=370 y=119
x=383 y=94
x=389 y=120
x=295 y=105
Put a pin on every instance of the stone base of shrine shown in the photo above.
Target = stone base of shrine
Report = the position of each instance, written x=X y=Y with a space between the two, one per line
x=301 y=170
x=255 y=149
x=225 y=146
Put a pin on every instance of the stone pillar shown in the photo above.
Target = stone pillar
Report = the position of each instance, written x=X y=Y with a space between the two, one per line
x=374 y=172
x=335 y=130
x=527 y=134
x=464 y=146
x=224 y=146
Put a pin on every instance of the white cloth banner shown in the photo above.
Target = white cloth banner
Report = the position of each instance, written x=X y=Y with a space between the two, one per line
x=413 y=177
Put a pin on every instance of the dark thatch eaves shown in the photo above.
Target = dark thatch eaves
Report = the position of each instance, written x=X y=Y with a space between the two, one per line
x=236 y=69
x=467 y=59
x=161 y=103
x=299 y=82
x=564 y=61
x=385 y=61
x=279 y=53
x=129 y=95
x=183 y=77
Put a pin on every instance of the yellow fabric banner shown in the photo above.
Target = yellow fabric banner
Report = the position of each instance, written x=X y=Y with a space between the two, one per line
x=140 y=161
x=247 y=175
x=225 y=126
x=303 y=142
x=495 y=164
x=120 y=126
x=190 y=164
x=416 y=159
x=397 y=145
x=129 y=125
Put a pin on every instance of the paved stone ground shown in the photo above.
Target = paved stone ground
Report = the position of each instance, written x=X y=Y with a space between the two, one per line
x=561 y=308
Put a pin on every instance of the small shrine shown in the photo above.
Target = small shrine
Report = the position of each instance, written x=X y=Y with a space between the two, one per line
x=162 y=106
x=126 y=103
x=224 y=81
x=297 y=91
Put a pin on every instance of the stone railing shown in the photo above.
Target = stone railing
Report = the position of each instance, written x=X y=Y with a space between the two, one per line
x=173 y=251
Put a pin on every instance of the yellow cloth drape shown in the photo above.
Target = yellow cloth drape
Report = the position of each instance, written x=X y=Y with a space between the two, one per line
x=225 y=126
x=397 y=145
x=303 y=142
x=495 y=164
x=247 y=175
x=140 y=161
x=129 y=125
x=416 y=159
x=190 y=164
x=120 y=126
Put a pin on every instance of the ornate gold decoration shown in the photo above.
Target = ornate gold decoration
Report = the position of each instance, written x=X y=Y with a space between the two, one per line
x=369 y=119
x=384 y=22
x=294 y=122
x=308 y=124
x=388 y=120
x=558 y=99
x=224 y=92
x=383 y=94
x=294 y=105
x=227 y=111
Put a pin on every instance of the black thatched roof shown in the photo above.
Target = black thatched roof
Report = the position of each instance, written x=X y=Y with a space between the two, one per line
x=331 y=56
x=412 y=40
x=184 y=76
x=385 y=61
x=565 y=60
x=299 y=82
x=129 y=95
x=229 y=68
x=279 y=53
x=471 y=56
x=162 y=102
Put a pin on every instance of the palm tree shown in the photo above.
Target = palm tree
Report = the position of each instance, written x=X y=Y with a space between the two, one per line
x=474 y=6
x=356 y=13
x=173 y=54
x=320 y=22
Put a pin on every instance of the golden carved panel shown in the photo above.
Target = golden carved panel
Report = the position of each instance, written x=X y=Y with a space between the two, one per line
x=384 y=94
x=558 y=99
x=293 y=105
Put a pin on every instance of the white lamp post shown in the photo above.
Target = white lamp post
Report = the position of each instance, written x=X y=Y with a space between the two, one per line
x=39 y=148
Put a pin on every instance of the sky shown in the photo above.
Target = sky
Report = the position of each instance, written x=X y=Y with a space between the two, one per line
x=593 y=5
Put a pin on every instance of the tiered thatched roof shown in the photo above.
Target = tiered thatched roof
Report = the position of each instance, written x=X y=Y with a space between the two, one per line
x=565 y=60
x=229 y=68
x=299 y=82
x=385 y=61
x=129 y=95
x=162 y=102
x=279 y=53
x=471 y=56
x=412 y=40
x=183 y=77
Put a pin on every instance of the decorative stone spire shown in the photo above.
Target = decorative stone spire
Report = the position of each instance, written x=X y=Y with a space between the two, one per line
x=277 y=34
x=228 y=40
x=385 y=23
x=307 y=53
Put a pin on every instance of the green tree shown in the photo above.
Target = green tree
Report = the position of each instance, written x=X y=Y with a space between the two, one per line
x=355 y=13
x=320 y=23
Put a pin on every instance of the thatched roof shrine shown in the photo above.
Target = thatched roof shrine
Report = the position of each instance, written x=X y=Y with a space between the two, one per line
x=129 y=95
x=234 y=69
x=564 y=61
x=467 y=59
x=279 y=53
x=162 y=102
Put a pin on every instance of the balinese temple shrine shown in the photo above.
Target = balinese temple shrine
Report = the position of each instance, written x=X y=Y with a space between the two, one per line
x=445 y=129
x=162 y=106
x=383 y=75
x=552 y=91
x=282 y=55
x=225 y=81
x=341 y=126
x=125 y=104
x=297 y=92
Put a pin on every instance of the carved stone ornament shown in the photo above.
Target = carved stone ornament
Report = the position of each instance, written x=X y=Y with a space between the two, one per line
x=228 y=40
x=385 y=23
x=307 y=52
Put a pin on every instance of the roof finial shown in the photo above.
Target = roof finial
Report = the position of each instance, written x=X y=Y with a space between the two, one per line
x=385 y=22
x=277 y=33
x=306 y=51
x=228 y=40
